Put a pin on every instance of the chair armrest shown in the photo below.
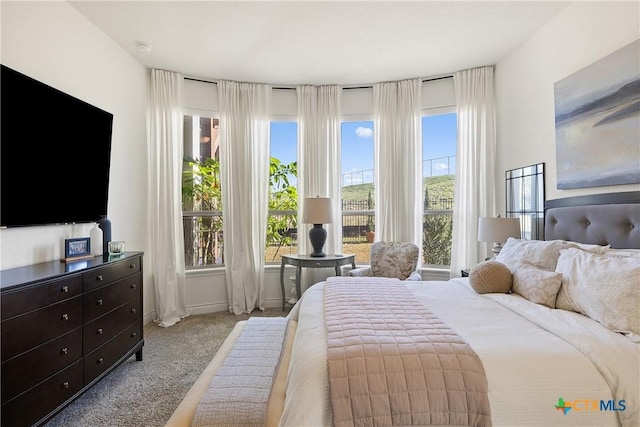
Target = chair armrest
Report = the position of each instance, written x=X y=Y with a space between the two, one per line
x=360 y=272
x=415 y=276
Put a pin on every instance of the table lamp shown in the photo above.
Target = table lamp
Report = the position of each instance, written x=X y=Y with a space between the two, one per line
x=317 y=211
x=498 y=230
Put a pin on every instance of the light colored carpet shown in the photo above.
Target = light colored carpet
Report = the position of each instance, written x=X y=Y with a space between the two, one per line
x=146 y=393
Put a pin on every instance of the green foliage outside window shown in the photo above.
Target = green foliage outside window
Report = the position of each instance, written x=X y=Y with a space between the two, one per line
x=283 y=197
x=436 y=244
x=201 y=191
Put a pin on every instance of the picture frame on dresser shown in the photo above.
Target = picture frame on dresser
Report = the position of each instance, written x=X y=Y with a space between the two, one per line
x=77 y=248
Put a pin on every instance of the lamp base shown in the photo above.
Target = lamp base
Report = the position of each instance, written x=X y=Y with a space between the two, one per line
x=496 y=249
x=317 y=236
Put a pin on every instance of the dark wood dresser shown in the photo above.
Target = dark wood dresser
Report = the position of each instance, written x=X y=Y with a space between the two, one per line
x=65 y=326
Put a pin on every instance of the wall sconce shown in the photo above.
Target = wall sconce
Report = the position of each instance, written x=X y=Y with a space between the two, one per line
x=317 y=211
x=498 y=230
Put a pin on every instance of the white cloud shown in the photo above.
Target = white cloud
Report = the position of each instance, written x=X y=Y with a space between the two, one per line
x=441 y=166
x=363 y=132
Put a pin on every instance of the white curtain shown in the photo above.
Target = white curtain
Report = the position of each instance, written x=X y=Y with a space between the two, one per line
x=164 y=140
x=244 y=170
x=398 y=161
x=319 y=158
x=475 y=175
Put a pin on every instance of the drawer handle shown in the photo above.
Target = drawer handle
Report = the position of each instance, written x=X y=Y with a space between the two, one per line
x=65 y=316
x=65 y=384
x=101 y=360
x=132 y=266
x=100 y=302
x=64 y=350
x=99 y=278
x=132 y=311
x=64 y=289
x=133 y=286
x=134 y=334
x=99 y=331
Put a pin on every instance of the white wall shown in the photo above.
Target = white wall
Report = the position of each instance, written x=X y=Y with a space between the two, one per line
x=53 y=43
x=579 y=35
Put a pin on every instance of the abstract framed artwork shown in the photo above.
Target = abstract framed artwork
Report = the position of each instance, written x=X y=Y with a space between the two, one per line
x=597 y=118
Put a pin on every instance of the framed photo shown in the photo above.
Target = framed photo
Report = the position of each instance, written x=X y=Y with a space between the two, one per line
x=77 y=248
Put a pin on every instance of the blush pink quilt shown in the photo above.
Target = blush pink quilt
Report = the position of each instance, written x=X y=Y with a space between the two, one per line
x=392 y=362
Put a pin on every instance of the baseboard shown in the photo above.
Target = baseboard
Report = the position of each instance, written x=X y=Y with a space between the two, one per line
x=224 y=306
x=213 y=308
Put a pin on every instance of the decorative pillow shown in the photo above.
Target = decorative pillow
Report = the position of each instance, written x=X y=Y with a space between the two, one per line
x=542 y=254
x=535 y=284
x=490 y=277
x=604 y=288
x=394 y=259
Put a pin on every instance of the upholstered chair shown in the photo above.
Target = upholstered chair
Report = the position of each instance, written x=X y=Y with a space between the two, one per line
x=391 y=259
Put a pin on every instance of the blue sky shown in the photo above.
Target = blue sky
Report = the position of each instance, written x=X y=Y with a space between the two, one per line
x=439 y=141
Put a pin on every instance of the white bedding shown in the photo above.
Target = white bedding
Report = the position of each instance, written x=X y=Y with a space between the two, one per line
x=529 y=368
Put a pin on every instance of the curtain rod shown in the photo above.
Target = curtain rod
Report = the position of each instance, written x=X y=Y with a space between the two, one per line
x=199 y=80
x=432 y=79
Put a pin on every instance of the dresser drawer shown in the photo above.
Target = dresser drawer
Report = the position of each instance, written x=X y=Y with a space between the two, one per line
x=34 y=297
x=104 y=328
x=105 y=275
x=101 y=301
x=25 y=371
x=22 y=333
x=31 y=406
x=104 y=356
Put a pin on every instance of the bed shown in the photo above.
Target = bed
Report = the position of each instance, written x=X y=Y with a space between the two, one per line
x=539 y=364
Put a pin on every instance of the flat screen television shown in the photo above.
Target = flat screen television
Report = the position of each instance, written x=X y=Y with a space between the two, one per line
x=55 y=155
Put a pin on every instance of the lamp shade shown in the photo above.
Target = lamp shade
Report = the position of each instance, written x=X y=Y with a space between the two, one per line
x=498 y=230
x=317 y=210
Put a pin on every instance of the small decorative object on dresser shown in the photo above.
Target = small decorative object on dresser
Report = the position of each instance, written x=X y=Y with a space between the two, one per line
x=116 y=248
x=105 y=225
x=96 y=240
x=76 y=249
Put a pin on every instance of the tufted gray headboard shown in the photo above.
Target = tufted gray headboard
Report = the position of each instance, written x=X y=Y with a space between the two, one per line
x=601 y=219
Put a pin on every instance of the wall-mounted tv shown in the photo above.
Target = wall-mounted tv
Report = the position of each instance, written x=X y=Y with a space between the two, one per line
x=55 y=154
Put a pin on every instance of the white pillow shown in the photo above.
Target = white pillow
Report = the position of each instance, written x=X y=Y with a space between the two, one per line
x=540 y=253
x=535 y=284
x=604 y=288
x=598 y=249
x=633 y=253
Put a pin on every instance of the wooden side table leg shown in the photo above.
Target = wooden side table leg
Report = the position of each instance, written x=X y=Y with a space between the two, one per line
x=298 y=280
x=282 y=282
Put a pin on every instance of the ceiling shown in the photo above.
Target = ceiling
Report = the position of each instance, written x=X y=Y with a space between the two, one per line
x=319 y=42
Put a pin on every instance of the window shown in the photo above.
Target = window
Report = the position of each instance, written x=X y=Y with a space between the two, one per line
x=201 y=193
x=439 y=138
x=358 y=191
x=283 y=194
x=525 y=199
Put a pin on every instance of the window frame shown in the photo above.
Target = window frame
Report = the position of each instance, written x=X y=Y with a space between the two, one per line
x=430 y=112
x=275 y=212
x=191 y=215
x=369 y=238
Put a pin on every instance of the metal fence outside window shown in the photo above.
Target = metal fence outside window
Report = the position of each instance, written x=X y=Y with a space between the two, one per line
x=204 y=240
